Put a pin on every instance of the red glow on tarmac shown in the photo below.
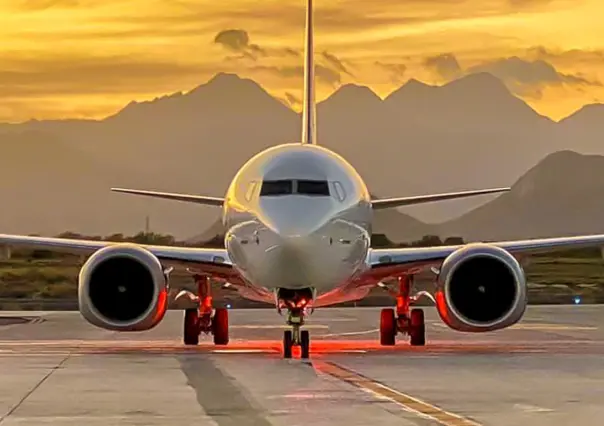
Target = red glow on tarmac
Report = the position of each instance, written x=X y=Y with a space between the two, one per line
x=317 y=347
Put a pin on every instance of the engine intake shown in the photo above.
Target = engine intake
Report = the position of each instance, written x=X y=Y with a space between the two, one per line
x=481 y=288
x=122 y=287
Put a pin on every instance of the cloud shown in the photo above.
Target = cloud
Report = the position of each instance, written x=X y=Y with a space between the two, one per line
x=335 y=63
x=329 y=68
x=41 y=5
x=523 y=77
x=78 y=74
x=236 y=40
x=33 y=5
x=530 y=3
x=327 y=75
x=573 y=58
x=396 y=71
x=445 y=65
x=342 y=17
x=239 y=41
x=528 y=78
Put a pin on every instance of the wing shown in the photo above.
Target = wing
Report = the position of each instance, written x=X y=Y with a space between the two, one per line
x=208 y=260
x=187 y=198
x=386 y=263
x=387 y=203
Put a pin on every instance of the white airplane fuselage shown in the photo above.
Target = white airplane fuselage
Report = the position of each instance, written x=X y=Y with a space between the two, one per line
x=298 y=216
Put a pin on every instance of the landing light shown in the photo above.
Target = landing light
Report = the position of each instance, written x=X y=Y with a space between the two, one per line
x=228 y=306
x=577 y=300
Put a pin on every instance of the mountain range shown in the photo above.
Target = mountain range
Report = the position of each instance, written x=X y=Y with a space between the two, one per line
x=468 y=134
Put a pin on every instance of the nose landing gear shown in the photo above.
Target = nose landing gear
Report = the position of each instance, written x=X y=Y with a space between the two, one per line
x=404 y=321
x=295 y=336
x=297 y=302
x=204 y=319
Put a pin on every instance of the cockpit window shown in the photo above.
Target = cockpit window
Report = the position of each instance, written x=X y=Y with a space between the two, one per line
x=339 y=190
x=290 y=186
x=313 y=187
x=250 y=190
x=277 y=187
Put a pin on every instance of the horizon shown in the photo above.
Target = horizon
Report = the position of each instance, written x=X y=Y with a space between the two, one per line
x=77 y=59
x=285 y=103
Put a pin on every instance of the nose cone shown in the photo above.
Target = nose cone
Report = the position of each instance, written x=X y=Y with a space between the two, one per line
x=294 y=219
x=294 y=238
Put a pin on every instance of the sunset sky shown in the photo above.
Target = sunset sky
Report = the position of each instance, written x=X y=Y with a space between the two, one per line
x=89 y=58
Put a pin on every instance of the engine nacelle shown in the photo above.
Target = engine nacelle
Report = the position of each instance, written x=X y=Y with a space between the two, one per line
x=122 y=287
x=481 y=287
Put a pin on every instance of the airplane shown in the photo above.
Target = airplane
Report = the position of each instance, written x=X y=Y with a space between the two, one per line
x=298 y=219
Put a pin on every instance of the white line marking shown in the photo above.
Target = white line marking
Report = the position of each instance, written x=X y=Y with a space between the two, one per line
x=351 y=333
x=272 y=327
x=532 y=408
x=551 y=327
x=406 y=402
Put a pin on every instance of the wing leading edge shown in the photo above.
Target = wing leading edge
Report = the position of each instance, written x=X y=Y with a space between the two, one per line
x=390 y=262
x=188 y=198
x=387 y=203
x=204 y=258
x=210 y=261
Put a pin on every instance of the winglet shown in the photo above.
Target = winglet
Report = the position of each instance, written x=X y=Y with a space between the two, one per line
x=309 y=113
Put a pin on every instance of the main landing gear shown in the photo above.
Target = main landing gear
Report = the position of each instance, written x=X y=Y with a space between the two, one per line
x=200 y=320
x=404 y=320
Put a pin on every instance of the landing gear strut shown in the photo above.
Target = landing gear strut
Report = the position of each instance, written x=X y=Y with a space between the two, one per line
x=404 y=321
x=295 y=336
x=205 y=319
x=298 y=303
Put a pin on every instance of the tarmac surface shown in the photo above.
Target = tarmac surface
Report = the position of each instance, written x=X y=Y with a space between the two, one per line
x=548 y=370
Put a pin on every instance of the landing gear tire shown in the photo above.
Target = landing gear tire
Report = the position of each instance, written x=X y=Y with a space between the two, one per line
x=417 y=328
x=388 y=327
x=288 y=343
x=191 y=327
x=220 y=326
x=304 y=344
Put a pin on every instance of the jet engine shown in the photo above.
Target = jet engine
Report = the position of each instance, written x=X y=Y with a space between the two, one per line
x=481 y=287
x=123 y=287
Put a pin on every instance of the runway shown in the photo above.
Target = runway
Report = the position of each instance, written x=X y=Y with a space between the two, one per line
x=548 y=370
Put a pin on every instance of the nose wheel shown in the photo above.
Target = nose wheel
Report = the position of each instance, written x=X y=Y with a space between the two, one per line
x=205 y=319
x=296 y=336
x=403 y=320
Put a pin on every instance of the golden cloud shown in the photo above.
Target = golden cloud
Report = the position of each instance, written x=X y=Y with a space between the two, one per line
x=73 y=49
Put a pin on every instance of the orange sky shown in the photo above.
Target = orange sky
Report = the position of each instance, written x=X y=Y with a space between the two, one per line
x=88 y=58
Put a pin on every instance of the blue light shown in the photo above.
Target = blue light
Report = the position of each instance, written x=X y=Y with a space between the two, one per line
x=577 y=300
x=229 y=306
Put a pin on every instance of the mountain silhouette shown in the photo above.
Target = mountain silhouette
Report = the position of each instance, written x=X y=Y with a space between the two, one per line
x=560 y=196
x=471 y=133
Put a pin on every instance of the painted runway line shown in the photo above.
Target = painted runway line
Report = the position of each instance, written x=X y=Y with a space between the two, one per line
x=407 y=402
